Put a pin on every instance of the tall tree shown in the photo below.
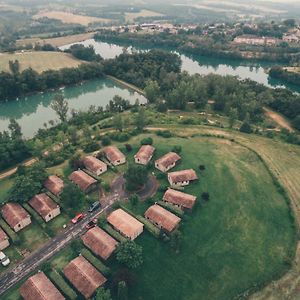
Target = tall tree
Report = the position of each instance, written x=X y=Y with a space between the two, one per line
x=130 y=254
x=103 y=294
x=152 y=90
x=141 y=119
x=118 y=122
x=60 y=106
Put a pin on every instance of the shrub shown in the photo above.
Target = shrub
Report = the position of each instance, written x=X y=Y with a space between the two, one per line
x=147 y=141
x=163 y=133
x=205 y=196
x=128 y=147
x=177 y=149
x=106 y=141
x=91 y=146
x=246 y=128
x=201 y=167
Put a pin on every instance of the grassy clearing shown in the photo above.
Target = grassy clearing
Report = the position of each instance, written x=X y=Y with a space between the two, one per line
x=39 y=61
x=70 y=18
x=5 y=185
x=144 y=13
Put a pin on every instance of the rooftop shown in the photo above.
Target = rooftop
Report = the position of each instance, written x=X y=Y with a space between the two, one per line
x=179 y=198
x=14 y=213
x=43 y=204
x=83 y=180
x=113 y=153
x=3 y=235
x=145 y=152
x=54 y=184
x=93 y=163
x=183 y=175
x=168 y=159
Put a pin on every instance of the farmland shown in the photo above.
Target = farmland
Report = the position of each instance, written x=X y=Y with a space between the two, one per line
x=69 y=18
x=39 y=61
x=144 y=13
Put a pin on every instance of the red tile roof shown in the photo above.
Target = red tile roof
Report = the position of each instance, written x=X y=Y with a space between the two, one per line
x=42 y=204
x=83 y=180
x=168 y=159
x=162 y=217
x=113 y=154
x=3 y=235
x=145 y=152
x=179 y=198
x=94 y=164
x=39 y=287
x=101 y=243
x=14 y=213
x=54 y=184
x=183 y=175
x=84 y=276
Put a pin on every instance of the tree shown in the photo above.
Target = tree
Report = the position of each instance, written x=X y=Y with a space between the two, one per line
x=152 y=90
x=72 y=198
x=122 y=291
x=140 y=119
x=118 y=122
x=15 y=129
x=134 y=199
x=135 y=176
x=147 y=141
x=60 y=106
x=14 y=66
x=205 y=196
x=130 y=254
x=103 y=294
x=233 y=115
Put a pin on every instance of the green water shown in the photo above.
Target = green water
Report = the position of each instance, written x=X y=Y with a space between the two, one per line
x=34 y=111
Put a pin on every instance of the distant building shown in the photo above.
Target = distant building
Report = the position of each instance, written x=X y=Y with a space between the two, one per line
x=182 y=178
x=16 y=216
x=84 y=181
x=290 y=38
x=255 y=40
x=125 y=224
x=101 y=243
x=39 y=287
x=162 y=218
x=144 y=155
x=114 y=155
x=84 y=276
x=94 y=165
x=180 y=199
x=54 y=184
x=4 y=240
x=167 y=162
x=45 y=206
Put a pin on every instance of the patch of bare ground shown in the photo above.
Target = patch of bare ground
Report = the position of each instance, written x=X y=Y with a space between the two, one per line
x=278 y=119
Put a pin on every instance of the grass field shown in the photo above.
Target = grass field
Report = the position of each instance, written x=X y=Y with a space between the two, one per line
x=70 y=18
x=144 y=13
x=39 y=61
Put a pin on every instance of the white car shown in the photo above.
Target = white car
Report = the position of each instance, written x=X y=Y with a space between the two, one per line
x=4 y=259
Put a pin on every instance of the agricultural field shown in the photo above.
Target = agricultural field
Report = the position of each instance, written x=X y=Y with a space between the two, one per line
x=144 y=13
x=70 y=18
x=39 y=61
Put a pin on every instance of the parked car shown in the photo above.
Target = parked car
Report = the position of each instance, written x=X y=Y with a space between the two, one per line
x=91 y=224
x=4 y=259
x=94 y=206
x=77 y=218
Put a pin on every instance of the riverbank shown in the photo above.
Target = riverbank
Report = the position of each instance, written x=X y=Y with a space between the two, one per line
x=126 y=84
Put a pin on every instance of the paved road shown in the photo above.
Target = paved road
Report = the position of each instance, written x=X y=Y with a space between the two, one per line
x=52 y=247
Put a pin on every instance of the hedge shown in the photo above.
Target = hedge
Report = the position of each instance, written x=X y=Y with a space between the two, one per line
x=35 y=215
x=95 y=262
x=149 y=226
x=62 y=285
x=13 y=236
x=176 y=210
x=92 y=175
x=114 y=233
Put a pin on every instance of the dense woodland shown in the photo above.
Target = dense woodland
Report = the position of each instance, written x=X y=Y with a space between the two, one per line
x=281 y=73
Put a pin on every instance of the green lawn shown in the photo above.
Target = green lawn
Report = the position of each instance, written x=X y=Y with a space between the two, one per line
x=5 y=185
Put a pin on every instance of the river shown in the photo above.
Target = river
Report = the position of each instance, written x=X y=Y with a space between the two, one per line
x=34 y=111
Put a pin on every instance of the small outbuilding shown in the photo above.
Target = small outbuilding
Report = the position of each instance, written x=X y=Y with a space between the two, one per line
x=84 y=181
x=54 y=184
x=39 y=287
x=182 y=178
x=162 y=218
x=167 y=162
x=84 y=276
x=125 y=224
x=114 y=155
x=4 y=240
x=99 y=242
x=94 y=165
x=45 y=206
x=144 y=155
x=16 y=216
x=180 y=199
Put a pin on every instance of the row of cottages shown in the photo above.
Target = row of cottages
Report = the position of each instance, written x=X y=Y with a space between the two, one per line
x=99 y=242
x=84 y=276
x=162 y=218
x=124 y=223
x=114 y=155
x=144 y=155
x=84 y=181
x=94 y=165
x=39 y=287
x=167 y=162
x=182 y=178
x=45 y=206
x=182 y=200
x=4 y=240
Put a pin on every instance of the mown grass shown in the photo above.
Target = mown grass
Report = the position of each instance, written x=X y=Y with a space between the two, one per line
x=5 y=185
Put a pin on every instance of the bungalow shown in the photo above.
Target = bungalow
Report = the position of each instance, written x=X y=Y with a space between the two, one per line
x=99 y=242
x=84 y=276
x=114 y=155
x=144 y=155
x=125 y=224
x=39 y=287
x=16 y=216
x=45 y=206
x=54 y=184
x=4 y=241
x=182 y=178
x=167 y=162
x=96 y=166
x=162 y=218
x=180 y=199
x=85 y=182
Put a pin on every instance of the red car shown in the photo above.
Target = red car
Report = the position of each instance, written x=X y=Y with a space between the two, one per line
x=91 y=224
x=77 y=218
